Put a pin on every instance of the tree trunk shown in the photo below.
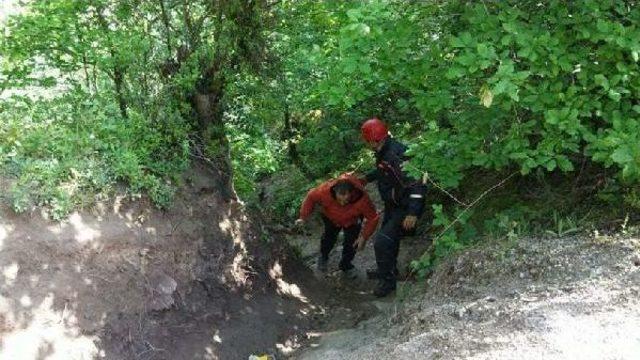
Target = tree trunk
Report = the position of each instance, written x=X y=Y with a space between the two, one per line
x=292 y=149
x=118 y=69
x=118 y=80
x=95 y=79
x=167 y=25
x=209 y=112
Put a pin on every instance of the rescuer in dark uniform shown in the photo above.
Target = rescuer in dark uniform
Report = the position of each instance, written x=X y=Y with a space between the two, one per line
x=403 y=198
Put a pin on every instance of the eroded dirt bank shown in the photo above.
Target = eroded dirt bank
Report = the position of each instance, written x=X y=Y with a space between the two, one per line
x=126 y=281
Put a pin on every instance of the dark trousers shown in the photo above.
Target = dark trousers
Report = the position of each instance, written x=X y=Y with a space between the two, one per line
x=386 y=242
x=330 y=236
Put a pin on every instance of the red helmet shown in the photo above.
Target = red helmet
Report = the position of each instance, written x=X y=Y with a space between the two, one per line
x=374 y=130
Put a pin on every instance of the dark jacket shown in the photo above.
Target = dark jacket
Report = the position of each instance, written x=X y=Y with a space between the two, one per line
x=396 y=186
x=359 y=206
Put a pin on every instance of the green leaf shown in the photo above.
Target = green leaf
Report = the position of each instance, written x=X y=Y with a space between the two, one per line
x=622 y=155
x=354 y=14
x=614 y=95
x=551 y=165
x=485 y=51
x=552 y=117
x=601 y=80
x=486 y=97
x=455 y=72
x=456 y=42
x=466 y=38
x=602 y=26
x=564 y=164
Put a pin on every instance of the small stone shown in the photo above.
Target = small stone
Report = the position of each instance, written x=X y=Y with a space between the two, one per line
x=490 y=298
x=162 y=288
x=459 y=313
x=567 y=288
x=635 y=259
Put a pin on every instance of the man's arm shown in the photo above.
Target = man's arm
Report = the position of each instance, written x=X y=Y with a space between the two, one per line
x=371 y=217
x=417 y=193
x=371 y=222
x=308 y=204
x=415 y=189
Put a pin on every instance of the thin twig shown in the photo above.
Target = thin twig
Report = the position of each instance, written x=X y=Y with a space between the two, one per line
x=473 y=203
x=428 y=178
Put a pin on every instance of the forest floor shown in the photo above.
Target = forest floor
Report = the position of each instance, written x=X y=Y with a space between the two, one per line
x=202 y=281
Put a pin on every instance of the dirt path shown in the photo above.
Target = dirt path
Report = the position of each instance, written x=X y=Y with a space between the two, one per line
x=569 y=298
x=349 y=303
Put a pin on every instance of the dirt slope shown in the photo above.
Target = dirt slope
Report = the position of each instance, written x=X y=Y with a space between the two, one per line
x=567 y=298
x=127 y=281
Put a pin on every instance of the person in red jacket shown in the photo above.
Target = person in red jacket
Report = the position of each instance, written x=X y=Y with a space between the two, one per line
x=344 y=205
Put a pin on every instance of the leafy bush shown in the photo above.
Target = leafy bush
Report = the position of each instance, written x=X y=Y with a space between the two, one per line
x=509 y=83
x=68 y=151
x=286 y=192
x=253 y=158
x=450 y=235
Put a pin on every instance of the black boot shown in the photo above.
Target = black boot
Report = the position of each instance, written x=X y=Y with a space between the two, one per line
x=373 y=274
x=384 y=288
x=322 y=264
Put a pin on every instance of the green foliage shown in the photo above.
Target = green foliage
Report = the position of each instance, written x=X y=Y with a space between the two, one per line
x=543 y=88
x=253 y=159
x=552 y=81
x=632 y=198
x=486 y=87
x=510 y=223
x=544 y=67
x=71 y=151
x=452 y=234
x=562 y=226
x=285 y=193
x=121 y=84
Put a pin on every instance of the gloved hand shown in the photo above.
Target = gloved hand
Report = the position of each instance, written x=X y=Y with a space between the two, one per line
x=409 y=222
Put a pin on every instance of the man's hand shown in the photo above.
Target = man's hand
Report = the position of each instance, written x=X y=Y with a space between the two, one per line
x=359 y=243
x=409 y=222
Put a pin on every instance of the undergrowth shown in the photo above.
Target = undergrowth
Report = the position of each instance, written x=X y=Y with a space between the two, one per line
x=69 y=152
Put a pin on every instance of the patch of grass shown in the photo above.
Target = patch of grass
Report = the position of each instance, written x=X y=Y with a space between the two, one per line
x=68 y=152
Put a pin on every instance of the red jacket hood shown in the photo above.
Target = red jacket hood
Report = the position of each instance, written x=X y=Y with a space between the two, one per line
x=355 y=181
x=344 y=216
